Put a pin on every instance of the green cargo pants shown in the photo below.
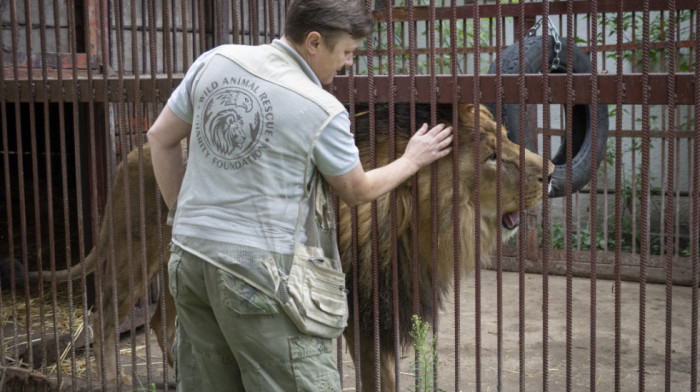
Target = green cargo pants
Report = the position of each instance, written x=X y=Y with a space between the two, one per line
x=232 y=337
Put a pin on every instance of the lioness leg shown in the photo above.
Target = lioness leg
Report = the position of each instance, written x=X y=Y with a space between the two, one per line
x=157 y=324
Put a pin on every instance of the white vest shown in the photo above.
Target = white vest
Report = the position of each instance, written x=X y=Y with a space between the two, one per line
x=257 y=115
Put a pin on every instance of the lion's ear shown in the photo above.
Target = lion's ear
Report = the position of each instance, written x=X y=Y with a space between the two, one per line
x=466 y=108
x=466 y=113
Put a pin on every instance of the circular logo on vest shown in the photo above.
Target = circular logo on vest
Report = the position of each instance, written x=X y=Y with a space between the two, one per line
x=231 y=122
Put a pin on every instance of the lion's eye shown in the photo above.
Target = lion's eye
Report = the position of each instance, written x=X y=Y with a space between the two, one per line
x=493 y=157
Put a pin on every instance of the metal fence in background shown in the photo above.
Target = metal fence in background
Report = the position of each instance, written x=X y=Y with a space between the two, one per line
x=606 y=277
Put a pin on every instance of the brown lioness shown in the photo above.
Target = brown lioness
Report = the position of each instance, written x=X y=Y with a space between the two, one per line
x=489 y=222
x=124 y=262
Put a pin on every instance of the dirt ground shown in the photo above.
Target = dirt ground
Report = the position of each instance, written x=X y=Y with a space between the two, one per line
x=510 y=375
x=580 y=348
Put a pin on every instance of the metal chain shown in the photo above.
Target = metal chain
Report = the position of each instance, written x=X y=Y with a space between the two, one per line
x=557 y=42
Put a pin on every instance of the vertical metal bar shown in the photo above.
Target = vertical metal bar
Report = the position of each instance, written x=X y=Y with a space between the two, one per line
x=8 y=208
x=146 y=300
x=499 y=195
x=593 y=196
x=100 y=277
x=477 y=197
x=695 y=219
x=546 y=153
x=271 y=21
x=618 y=195
x=644 y=248
x=20 y=190
x=235 y=23
x=522 y=234
x=255 y=30
x=70 y=11
x=476 y=20
x=201 y=13
x=35 y=181
x=88 y=15
x=123 y=148
x=355 y=264
x=671 y=85
x=374 y=226
x=392 y=196
x=123 y=131
x=49 y=191
x=414 y=181
x=185 y=34
x=568 y=195
x=162 y=269
x=64 y=178
x=456 y=222
x=434 y=188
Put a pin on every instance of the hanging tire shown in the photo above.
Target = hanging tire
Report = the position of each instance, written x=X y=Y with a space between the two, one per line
x=582 y=143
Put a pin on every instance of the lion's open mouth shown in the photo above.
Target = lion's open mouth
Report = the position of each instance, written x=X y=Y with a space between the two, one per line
x=511 y=220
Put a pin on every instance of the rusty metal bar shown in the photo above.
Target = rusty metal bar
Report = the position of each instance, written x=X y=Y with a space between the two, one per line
x=162 y=268
x=374 y=236
x=89 y=15
x=631 y=84
x=546 y=237
x=392 y=199
x=618 y=199
x=32 y=130
x=499 y=195
x=49 y=191
x=433 y=185
x=476 y=92
x=73 y=42
x=568 y=200
x=644 y=248
x=400 y=14
x=412 y=44
x=670 y=41
x=456 y=222
x=593 y=198
x=695 y=219
x=141 y=212
x=522 y=234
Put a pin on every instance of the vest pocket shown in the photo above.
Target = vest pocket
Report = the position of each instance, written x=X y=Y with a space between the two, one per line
x=318 y=300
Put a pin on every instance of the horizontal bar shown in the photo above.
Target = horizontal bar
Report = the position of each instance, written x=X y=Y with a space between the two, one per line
x=633 y=89
x=607 y=84
x=400 y=14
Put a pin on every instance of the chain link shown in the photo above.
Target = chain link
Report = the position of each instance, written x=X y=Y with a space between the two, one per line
x=557 y=41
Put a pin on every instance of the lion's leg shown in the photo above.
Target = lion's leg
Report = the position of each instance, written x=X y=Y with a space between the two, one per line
x=157 y=325
x=104 y=348
x=368 y=363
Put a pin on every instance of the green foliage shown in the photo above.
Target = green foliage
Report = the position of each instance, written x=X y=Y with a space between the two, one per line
x=633 y=26
x=426 y=355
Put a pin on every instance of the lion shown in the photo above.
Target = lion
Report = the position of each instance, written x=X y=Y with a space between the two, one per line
x=127 y=296
x=489 y=222
x=405 y=204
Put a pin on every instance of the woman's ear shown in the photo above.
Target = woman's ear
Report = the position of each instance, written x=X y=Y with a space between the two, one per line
x=312 y=42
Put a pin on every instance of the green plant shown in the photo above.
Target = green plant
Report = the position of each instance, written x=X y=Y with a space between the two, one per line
x=426 y=356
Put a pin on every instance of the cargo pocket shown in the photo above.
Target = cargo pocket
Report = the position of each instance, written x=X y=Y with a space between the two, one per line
x=314 y=364
x=242 y=298
x=173 y=269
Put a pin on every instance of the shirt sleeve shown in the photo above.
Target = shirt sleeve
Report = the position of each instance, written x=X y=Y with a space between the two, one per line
x=180 y=101
x=335 y=152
